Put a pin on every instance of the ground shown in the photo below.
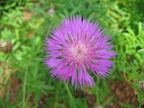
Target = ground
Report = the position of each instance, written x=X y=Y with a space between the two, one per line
x=122 y=92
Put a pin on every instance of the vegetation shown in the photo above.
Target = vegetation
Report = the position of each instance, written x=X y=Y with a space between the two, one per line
x=26 y=23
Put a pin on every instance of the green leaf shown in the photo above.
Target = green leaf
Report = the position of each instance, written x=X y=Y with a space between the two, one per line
x=131 y=31
x=141 y=50
x=108 y=101
x=139 y=28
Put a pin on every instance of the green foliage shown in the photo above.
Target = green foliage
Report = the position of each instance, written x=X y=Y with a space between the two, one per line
x=27 y=24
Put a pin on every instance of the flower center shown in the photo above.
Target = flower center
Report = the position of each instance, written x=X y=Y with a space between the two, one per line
x=78 y=51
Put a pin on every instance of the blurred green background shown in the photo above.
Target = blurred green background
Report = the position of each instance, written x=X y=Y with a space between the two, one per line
x=24 y=79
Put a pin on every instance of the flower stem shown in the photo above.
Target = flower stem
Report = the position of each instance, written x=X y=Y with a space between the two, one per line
x=24 y=88
x=97 y=93
x=68 y=90
x=70 y=95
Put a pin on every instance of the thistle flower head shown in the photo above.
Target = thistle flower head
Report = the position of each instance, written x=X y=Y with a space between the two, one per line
x=6 y=46
x=76 y=47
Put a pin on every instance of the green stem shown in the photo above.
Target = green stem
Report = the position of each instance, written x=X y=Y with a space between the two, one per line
x=56 y=98
x=68 y=90
x=24 y=100
x=24 y=88
x=97 y=93
x=70 y=95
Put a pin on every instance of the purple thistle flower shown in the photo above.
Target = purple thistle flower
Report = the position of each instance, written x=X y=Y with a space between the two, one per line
x=77 y=46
